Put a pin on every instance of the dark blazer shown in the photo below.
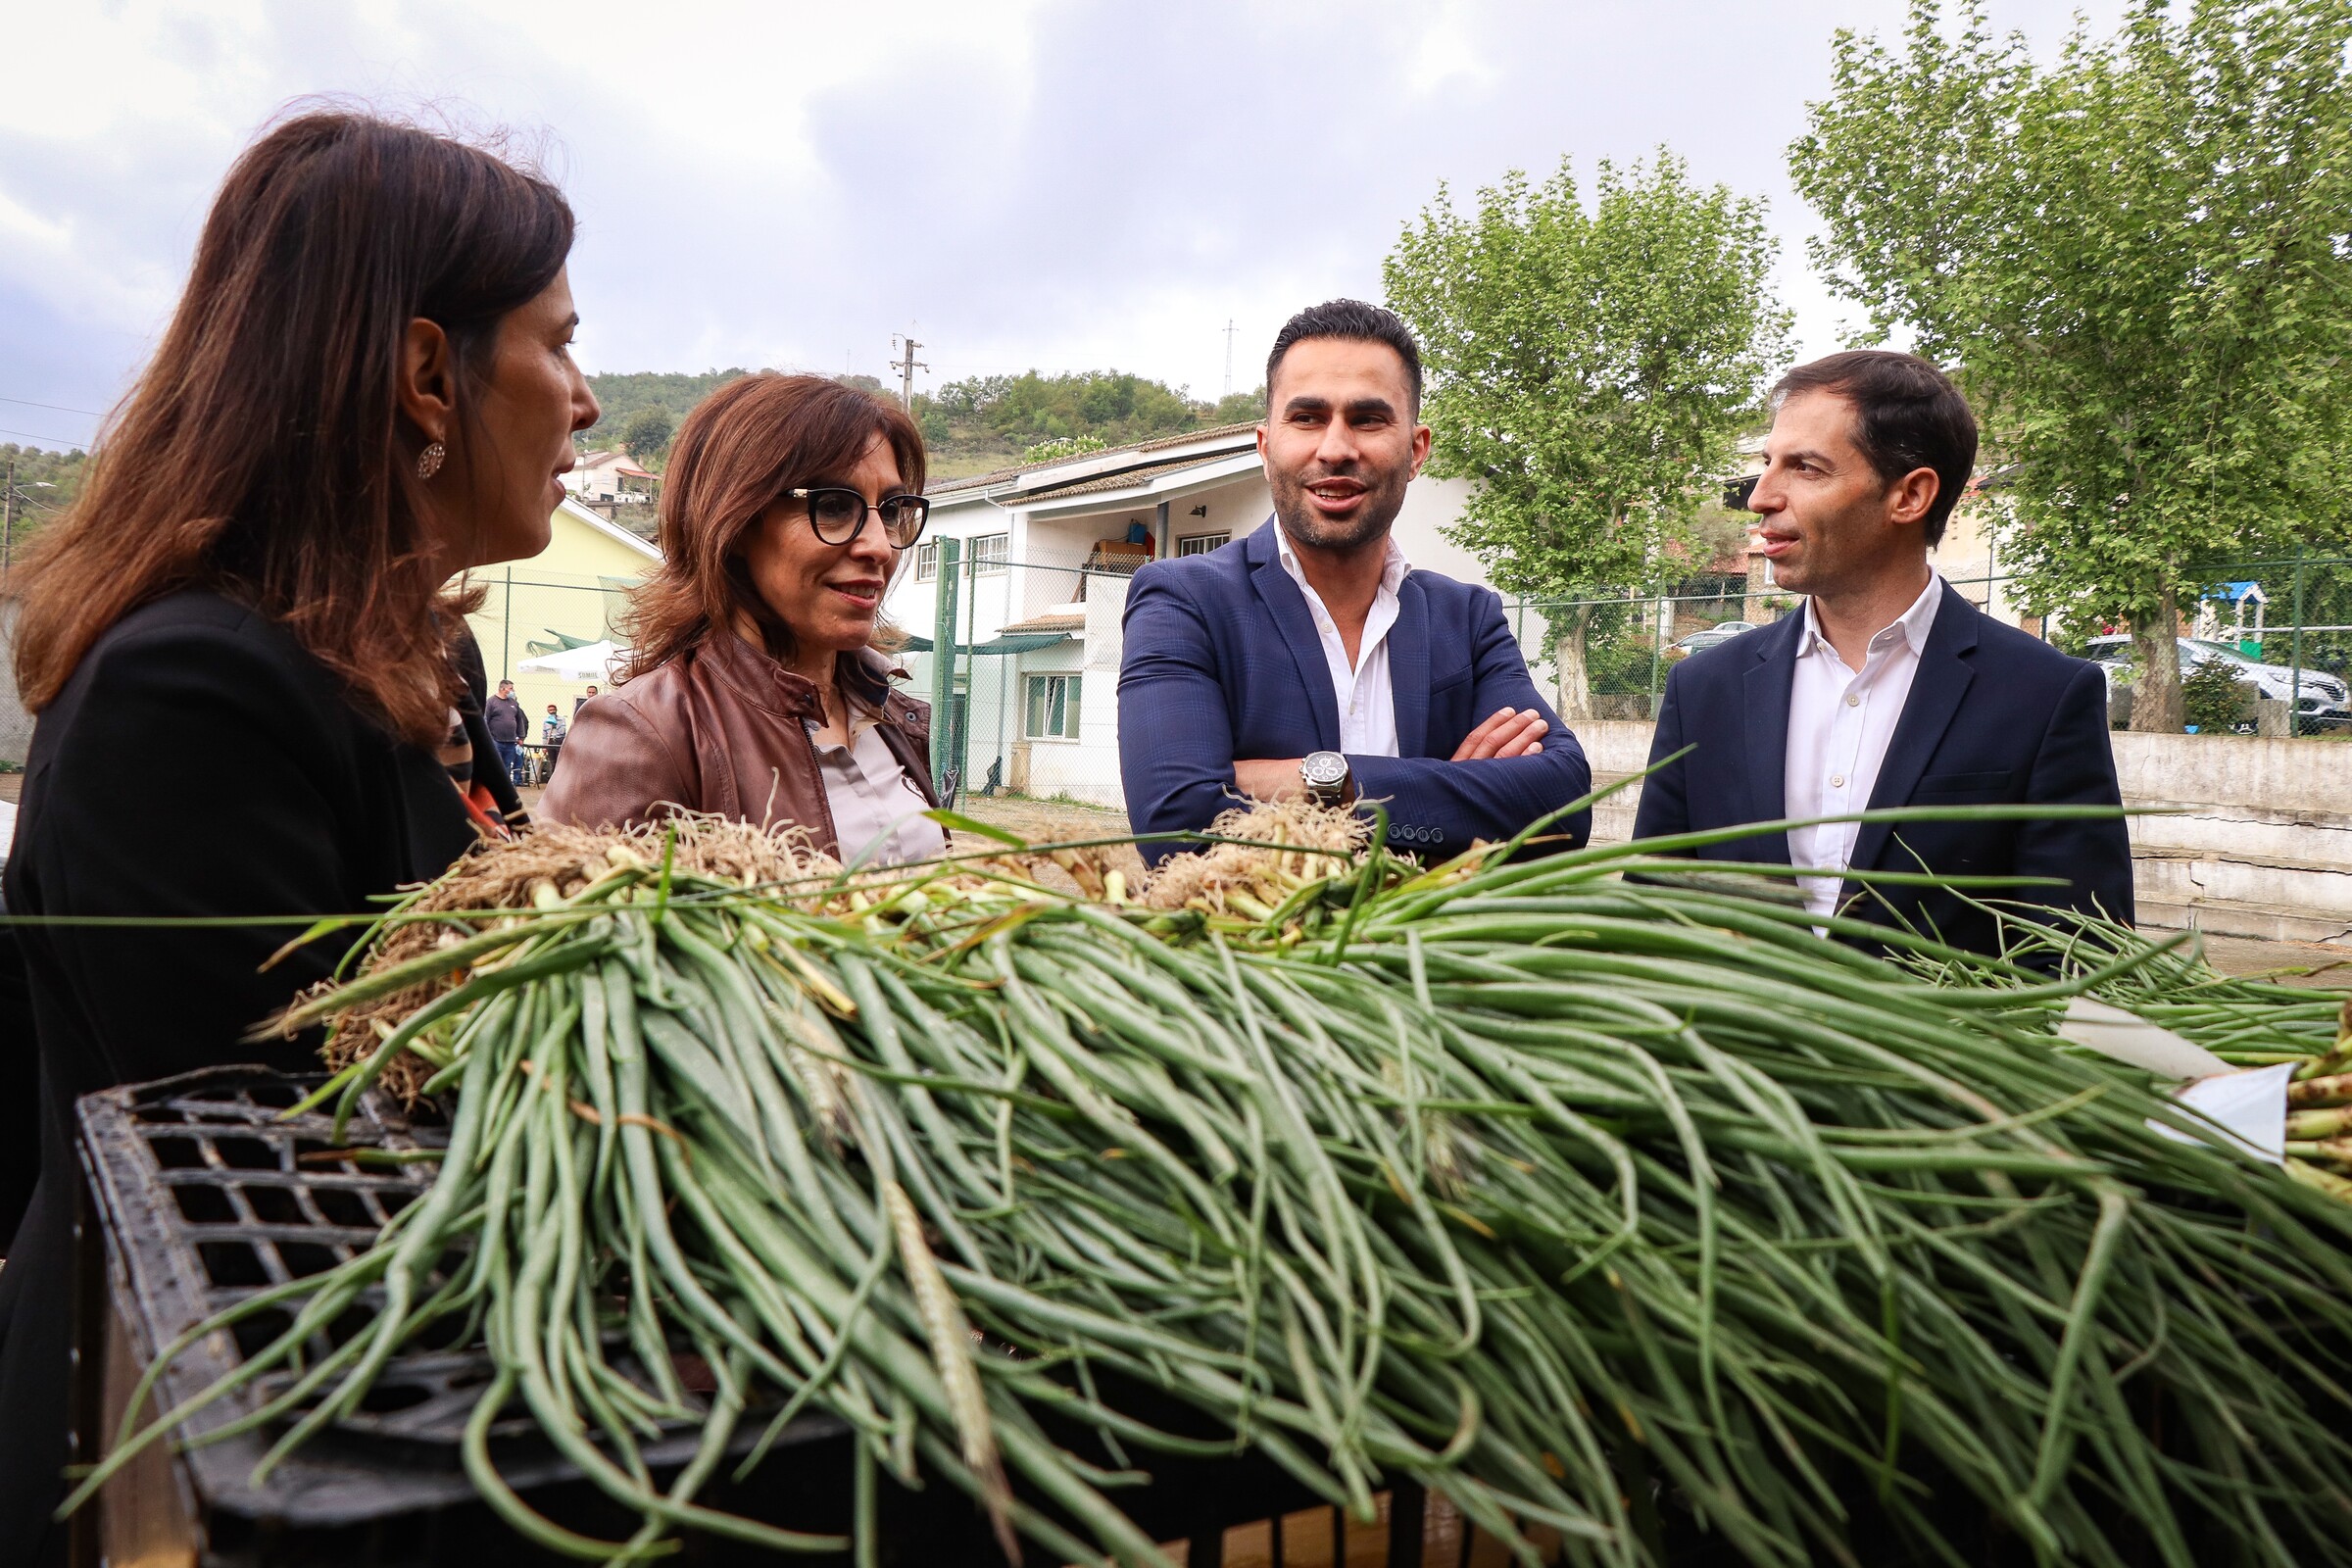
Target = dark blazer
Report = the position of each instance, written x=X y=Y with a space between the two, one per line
x=197 y=763
x=1994 y=716
x=1221 y=661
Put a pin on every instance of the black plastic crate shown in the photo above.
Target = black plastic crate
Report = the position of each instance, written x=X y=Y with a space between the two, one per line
x=199 y=1192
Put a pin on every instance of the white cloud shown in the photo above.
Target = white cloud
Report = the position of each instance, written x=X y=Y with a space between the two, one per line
x=1060 y=183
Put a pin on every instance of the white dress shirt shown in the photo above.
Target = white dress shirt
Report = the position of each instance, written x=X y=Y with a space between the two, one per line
x=1839 y=722
x=1367 y=700
x=877 y=809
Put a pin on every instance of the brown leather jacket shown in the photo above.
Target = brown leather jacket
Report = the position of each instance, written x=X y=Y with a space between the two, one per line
x=720 y=728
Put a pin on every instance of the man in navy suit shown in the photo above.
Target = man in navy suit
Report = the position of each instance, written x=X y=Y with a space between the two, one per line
x=1888 y=688
x=1310 y=658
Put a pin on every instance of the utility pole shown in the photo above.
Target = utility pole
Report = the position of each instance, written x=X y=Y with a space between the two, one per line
x=1229 y=331
x=8 y=519
x=906 y=369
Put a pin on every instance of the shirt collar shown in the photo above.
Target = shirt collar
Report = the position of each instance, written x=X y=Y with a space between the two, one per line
x=1392 y=567
x=1913 y=624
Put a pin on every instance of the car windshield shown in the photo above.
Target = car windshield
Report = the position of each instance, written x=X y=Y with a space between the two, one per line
x=2219 y=651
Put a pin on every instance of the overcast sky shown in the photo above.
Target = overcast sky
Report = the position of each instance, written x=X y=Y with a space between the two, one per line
x=1047 y=183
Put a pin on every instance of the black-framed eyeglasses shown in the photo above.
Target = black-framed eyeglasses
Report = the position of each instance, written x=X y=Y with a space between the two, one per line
x=838 y=515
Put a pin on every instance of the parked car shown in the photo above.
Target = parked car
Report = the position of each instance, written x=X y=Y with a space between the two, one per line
x=2324 y=698
x=1696 y=642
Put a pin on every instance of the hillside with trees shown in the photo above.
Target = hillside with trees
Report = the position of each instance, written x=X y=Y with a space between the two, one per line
x=970 y=426
x=45 y=482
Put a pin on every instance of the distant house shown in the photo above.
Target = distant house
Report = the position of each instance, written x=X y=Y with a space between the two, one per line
x=609 y=476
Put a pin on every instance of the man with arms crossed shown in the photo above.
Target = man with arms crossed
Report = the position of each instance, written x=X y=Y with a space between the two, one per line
x=1889 y=688
x=1310 y=658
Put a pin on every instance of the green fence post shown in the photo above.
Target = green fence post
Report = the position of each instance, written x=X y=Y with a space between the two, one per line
x=943 y=664
x=2294 y=685
x=1660 y=620
x=971 y=676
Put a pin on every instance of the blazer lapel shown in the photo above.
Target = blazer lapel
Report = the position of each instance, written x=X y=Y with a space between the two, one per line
x=1941 y=680
x=1296 y=624
x=1766 y=755
x=1408 y=669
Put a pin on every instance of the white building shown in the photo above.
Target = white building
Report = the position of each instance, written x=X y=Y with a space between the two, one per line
x=602 y=475
x=1048 y=549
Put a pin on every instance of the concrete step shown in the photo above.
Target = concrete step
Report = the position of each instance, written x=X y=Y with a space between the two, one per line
x=2320 y=888
x=2233 y=917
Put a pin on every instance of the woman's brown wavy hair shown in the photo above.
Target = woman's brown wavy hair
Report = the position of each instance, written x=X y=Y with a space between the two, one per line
x=263 y=452
x=740 y=450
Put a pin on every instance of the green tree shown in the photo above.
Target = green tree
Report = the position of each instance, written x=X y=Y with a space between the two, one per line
x=2138 y=259
x=1591 y=371
x=646 y=437
x=1240 y=407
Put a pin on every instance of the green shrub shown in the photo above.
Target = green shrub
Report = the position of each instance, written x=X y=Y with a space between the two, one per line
x=2214 y=698
x=1620 y=664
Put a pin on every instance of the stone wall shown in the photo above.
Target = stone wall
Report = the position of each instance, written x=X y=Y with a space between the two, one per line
x=2246 y=836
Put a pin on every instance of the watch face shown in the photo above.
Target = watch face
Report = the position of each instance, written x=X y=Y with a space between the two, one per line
x=1324 y=768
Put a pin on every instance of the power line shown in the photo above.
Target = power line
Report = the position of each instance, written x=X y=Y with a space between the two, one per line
x=34 y=436
x=57 y=407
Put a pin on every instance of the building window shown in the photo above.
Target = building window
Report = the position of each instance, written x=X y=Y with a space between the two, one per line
x=990 y=551
x=1200 y=544
x=926 y=561
x=1053 y=706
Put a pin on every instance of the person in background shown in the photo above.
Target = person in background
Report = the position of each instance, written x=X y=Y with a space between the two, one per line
x=578 y=703
x=482 y=775
x=551 y=734
x=1889 y=688
x=757 y=686
x=238 y=642
x=1313 y=659
x=509 y=726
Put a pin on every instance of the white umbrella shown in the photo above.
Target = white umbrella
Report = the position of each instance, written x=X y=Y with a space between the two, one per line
x=589 y=661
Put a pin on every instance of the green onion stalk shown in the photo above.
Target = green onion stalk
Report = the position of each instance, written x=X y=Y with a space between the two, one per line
x=1592 y=1191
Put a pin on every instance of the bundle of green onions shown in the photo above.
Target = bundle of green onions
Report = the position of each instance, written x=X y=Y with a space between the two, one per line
x=1631 y=1210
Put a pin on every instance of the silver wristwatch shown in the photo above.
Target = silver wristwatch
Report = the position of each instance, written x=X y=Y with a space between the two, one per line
x=1325 y=775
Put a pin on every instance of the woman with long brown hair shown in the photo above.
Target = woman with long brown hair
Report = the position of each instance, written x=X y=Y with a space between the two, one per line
x=239 y=645
x=758 y=685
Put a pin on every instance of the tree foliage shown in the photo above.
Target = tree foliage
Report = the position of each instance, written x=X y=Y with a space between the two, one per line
x=1590 y=369
x=646 y=436
x=2137 y=257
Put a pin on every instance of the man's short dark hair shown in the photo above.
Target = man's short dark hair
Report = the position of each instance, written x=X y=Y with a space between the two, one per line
x=1357 y=321
x=1907 y=414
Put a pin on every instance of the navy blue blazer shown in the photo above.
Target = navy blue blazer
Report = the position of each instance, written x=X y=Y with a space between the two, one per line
x=1994 y=716
x=1221 y=661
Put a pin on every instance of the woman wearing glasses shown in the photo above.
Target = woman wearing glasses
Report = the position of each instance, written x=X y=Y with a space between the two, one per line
x=758 y=685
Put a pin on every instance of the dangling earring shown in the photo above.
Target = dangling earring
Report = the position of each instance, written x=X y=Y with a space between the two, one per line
x=428 y=461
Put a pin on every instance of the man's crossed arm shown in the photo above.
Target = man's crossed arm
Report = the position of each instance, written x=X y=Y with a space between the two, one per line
x=1509 y=733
